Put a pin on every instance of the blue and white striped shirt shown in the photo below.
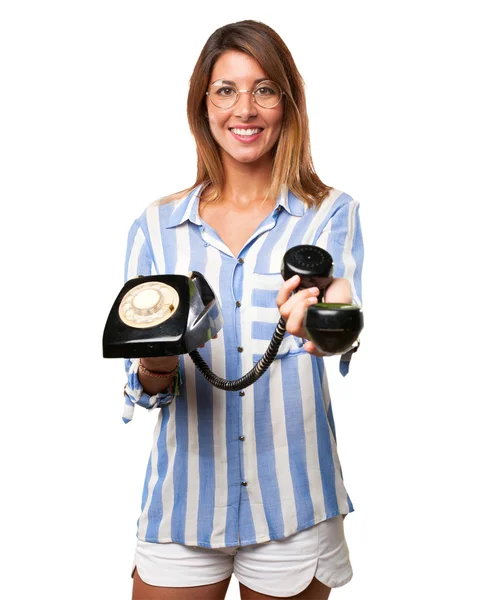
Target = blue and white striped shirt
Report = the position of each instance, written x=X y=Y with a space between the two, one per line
x=238 y=468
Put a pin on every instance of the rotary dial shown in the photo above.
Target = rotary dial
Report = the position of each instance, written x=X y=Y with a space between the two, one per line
x=148 y=304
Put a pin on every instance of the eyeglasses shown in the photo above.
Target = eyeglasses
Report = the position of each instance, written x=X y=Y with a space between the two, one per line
x=225 y=94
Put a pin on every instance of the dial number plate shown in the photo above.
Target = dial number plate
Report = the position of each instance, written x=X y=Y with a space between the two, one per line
x=148 y=304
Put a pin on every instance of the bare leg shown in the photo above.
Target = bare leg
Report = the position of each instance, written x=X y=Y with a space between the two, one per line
x=315 y=591
x=143 y=591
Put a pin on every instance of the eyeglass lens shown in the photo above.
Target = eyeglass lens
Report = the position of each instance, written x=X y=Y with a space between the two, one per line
x=224 y=94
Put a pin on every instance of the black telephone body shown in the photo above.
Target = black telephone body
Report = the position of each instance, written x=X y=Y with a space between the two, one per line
x=161 y=315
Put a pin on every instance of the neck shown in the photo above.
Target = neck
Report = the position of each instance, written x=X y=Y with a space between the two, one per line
x=246 y=183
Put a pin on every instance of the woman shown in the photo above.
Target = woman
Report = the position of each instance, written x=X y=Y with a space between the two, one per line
x=246 y=482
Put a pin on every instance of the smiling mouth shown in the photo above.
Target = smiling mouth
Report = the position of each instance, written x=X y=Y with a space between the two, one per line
x=246 y=132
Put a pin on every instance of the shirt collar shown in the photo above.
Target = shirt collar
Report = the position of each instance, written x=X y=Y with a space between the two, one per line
x=290 y=202
x=187 y=208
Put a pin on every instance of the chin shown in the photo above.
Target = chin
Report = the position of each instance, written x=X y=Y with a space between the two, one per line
x=246 y=159
x=249 y=157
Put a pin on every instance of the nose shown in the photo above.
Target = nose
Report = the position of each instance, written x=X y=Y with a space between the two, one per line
x=246 y=106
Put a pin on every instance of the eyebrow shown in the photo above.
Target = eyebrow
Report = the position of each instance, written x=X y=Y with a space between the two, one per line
x=256 y=81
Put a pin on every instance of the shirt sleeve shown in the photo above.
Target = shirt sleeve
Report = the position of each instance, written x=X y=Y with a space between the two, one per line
x=139 y=262
x=342 y=238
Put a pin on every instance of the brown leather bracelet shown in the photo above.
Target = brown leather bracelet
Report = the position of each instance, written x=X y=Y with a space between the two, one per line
x=158 y=374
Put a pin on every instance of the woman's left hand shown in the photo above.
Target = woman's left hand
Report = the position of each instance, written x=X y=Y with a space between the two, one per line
x=293 y=307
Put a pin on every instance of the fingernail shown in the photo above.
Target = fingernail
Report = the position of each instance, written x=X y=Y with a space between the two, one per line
x=312 y=300
x=314 y=290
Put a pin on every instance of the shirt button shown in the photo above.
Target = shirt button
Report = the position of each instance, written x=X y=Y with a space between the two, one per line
x=241 y=393
x=241 y=438
x=238 y=303
x=244 y=483
x=241 y=261
x=240 y=348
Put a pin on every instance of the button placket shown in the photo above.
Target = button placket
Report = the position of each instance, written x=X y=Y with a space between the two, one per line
x=237 y=299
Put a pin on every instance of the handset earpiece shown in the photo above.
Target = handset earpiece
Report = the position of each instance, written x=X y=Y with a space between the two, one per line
x=333 y=328
x=313 y=264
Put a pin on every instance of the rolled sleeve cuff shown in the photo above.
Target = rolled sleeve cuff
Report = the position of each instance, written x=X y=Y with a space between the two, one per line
x=134 y=394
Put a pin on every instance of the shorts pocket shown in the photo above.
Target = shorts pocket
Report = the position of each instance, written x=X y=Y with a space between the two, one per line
x=265 y=316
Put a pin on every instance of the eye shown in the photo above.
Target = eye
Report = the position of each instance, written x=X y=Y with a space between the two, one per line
x=265 y=91
x=225 y=91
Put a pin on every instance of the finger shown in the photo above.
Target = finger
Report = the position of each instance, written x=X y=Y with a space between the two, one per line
x=285 y=290
x=294 y=324
x=288 y=306
x=311 y=348
x=213 y=338
x=339 y=290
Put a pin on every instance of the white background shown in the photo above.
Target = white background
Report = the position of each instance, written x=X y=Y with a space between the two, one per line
x=93 y=128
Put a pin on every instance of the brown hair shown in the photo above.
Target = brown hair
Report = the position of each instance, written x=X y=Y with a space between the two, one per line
x=293 y=165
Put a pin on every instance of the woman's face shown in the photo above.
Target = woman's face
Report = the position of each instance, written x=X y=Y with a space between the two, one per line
x=225 y=124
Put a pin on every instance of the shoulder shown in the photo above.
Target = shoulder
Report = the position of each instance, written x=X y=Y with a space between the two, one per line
x=335 y=200
x=163 y=209
x=172 y=199
x=167 y=204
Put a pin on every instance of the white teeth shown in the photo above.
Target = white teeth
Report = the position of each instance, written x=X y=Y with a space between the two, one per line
x=245 y=131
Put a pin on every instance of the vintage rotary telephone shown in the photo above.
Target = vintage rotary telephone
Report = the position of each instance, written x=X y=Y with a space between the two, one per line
x=168 y=315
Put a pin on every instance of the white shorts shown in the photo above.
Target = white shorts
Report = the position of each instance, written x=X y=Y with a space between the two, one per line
x=277 y=568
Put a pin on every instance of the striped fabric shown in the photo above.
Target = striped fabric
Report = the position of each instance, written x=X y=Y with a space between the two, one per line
x=238 y=468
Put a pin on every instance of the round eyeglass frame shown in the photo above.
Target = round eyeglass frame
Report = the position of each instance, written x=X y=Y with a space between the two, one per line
x=252 y=92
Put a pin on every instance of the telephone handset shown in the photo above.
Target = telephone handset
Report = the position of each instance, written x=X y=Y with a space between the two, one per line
x=332 y=327
x=168 y=315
